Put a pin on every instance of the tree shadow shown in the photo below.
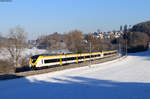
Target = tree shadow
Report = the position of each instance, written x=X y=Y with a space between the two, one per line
x=9 y=76
x=145 y=54
x=73 y=88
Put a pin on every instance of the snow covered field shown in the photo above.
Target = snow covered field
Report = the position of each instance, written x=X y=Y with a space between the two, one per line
x=4 y=54
x=127 y=78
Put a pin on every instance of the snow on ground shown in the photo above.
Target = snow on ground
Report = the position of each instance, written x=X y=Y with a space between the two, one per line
x=126 y=78
x=33 y=51
x=4 y=54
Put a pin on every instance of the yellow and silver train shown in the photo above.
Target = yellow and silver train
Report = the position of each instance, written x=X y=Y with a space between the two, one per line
x=51 y=60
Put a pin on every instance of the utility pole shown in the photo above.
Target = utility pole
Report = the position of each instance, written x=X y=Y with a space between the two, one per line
x=119 y=51
x=126 y=47
x=90 y=54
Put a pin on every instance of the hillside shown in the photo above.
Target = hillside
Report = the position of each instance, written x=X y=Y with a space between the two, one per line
x=142 y=27
x=139 y=37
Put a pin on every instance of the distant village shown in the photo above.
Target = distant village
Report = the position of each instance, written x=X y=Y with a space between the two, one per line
x=98 y=34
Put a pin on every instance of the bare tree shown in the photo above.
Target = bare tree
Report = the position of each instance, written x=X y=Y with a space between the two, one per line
x=56 y=41
x=75 y=41
x=96 y=44
x=16 y=44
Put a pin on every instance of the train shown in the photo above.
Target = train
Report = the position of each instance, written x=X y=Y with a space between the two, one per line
x=44 y=60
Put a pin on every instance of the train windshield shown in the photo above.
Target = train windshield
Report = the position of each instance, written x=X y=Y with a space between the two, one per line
x=34 y=58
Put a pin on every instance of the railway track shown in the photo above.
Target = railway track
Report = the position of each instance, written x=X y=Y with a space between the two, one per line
x=57 y=68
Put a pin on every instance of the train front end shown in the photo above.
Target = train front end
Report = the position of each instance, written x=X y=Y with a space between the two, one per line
x=33 y=61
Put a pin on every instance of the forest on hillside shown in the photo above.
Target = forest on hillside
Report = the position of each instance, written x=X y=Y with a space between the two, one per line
x=138 y=37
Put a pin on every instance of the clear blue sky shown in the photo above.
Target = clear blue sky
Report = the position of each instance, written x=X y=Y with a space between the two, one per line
x=47 y=16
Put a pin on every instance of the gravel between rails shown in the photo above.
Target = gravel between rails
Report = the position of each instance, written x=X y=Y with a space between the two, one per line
x=58 y=68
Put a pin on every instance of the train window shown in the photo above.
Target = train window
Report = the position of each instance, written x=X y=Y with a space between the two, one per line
x=93 y=55
x=81 y=57
x=51 y=60
x=87 y=56
x=69 y=58
x=34 y=58
x=107 y=53
x=98 y=55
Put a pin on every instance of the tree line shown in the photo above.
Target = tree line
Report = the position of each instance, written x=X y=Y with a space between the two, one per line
x=75 y=41
x=136 y=38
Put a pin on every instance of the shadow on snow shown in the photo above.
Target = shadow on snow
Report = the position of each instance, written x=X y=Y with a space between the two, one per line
x=145 y=54
x=73 y=88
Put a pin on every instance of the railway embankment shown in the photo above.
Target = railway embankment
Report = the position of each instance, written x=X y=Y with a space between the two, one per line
x=58 y=68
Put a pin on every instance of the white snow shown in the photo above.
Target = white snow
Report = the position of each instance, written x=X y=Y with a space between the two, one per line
x=126 y=78
x=4 y=54
x=33 y=51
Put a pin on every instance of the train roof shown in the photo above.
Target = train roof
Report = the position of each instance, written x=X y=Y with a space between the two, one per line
x=50 y=54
